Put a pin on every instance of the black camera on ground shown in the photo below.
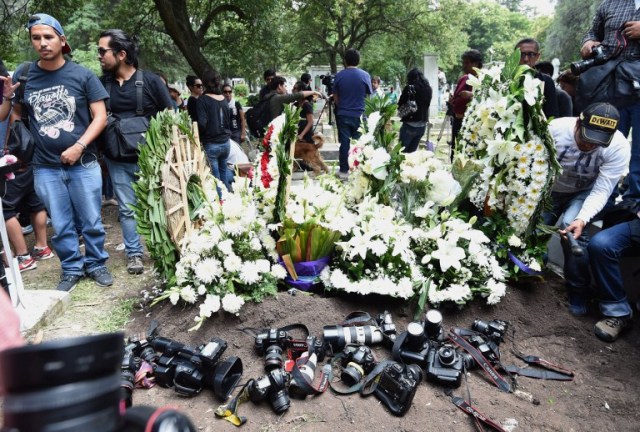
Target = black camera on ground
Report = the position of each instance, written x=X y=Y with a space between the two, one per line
x=357 y=361
x=189 y=370
x=272 y=343
x=274 y=386
x=495 y=330
x=598 y=57
x=328 y=81
x=397 y=387
x=412 y=346
x=433 y=326
x=487 y=348
x=445 y=366
x=338 y=336
x=387 y=326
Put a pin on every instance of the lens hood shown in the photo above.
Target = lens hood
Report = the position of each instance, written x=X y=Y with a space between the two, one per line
x=227 y=375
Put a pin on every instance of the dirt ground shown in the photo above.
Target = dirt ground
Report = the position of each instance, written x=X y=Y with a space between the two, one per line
x=599 y=398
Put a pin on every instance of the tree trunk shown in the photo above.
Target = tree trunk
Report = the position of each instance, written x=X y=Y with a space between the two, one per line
x=176 y=22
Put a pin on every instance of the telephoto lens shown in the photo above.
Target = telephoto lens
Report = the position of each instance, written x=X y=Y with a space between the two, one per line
x=415 y=336
x=278 y=394
x=433 y=325
x=273 y=358
x=339 y=337
x=70 y=385
x=308 y=371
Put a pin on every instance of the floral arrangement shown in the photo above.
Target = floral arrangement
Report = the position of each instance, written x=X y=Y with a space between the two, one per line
x=230 y=260
x=505 y=133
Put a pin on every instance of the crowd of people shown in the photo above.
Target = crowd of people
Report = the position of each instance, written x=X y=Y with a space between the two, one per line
x=67 y=107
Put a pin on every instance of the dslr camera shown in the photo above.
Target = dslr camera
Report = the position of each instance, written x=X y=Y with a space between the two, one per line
x=357 y=361
x=327 y=82
x=274 y=386
x=488 y=349
x=495 y=330
x=189 y=370
x=397 y=386
x=445 y=366
x=598 y=57
x=412 y=346
x=271 y=343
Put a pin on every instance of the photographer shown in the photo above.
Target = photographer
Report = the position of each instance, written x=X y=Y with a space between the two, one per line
x=529 y=55
x=614 y=15
x=593 y=156
x=415 y=124
x=463 y=92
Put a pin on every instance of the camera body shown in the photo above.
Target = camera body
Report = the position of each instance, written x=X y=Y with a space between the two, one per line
x=445 y=366
x=598 y=57
x=488 y=349
x=187 y=369
x=273 y=385
x=357 y=362
x=412 y=346
x=495 y=330
x=271 y=343
x=397 y=386
x=328 y=81
x=387 y=326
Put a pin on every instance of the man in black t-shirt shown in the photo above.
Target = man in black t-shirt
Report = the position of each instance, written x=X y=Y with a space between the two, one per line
x=268 y=75
x=529 y=55
x=194 y=84
x=119 y=62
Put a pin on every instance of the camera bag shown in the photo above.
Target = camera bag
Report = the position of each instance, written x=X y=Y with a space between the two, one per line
x=410 y=106
x=122 y=136
x=20 y=142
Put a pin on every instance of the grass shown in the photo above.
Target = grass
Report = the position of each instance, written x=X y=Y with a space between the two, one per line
x=117 y=316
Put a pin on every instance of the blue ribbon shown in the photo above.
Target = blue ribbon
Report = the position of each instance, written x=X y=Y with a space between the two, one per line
x=522 y=266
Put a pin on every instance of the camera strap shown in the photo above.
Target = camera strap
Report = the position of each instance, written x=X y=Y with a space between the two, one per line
x=493 y=375
x=371 y=381
x=229 y=411
x=551 y=371
x=307 y=386
x=335 y=363
x=477 y=415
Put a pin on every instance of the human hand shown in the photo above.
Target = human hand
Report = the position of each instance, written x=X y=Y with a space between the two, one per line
x=466 y=94
x=574 y=228
x=8 y=89
x=631 y=30
x=71 y=155
x=585 y=51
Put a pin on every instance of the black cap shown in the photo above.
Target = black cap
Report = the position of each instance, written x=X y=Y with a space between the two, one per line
x=599 y=123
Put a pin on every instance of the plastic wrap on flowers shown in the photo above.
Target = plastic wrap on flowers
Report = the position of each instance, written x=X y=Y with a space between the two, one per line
x=308 y=273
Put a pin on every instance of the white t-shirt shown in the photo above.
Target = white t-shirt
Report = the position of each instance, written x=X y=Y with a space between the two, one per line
x=599 y=170
x=236 y=155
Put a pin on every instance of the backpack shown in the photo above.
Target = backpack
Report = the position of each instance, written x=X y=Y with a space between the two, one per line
x=259 y=116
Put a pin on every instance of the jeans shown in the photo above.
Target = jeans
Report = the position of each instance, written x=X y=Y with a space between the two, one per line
x=123 y=175
x=605 y=250
x=410 y=137
x=73 y=193
x=576 y=269
x=217 y=155
x=347 y=129
x=630 y=120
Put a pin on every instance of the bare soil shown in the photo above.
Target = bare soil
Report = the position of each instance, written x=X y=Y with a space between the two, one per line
x=599 y=398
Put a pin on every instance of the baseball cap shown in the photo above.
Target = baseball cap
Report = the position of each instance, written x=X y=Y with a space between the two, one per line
x=48 y=20
x=599 y=123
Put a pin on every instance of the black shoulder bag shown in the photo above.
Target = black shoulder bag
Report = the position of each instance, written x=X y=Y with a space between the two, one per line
x=410 y=106
x=20 y=142
x=122 y=137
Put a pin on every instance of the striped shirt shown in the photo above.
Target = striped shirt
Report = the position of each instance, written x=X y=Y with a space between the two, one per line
x=611 y=15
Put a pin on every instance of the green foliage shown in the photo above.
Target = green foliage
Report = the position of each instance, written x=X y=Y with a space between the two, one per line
x=149 y=210
x=570 y=23
x=241 y=90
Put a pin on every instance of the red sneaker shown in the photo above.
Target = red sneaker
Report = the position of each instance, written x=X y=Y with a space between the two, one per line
x=40 y=254
x=26 y=262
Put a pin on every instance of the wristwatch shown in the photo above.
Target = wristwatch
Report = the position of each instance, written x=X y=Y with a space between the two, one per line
x=4 y=99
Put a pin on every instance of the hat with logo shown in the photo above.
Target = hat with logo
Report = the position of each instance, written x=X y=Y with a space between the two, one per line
x=48 y=20
x=599 y=123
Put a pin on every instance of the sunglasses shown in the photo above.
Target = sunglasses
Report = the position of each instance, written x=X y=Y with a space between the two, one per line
x=528 y=54
x=103 y=51
x=227 y=91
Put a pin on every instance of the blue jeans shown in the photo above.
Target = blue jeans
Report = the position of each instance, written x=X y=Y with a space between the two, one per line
x=123 y=175
x=576 y=269
x=410 y=137
x=73 y=193
x=217 y=155
x=630 y=120
x=605 y=250
x=347 y=129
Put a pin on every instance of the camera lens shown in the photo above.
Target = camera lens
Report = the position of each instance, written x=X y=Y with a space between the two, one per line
x=339 y=336
x=137 y=419
x=278 y=395
x=352 y=374
x=273 y=358
x=447 y=355
x=480 y=326
x=433 y=325
x=149 y=355
x=71 y=385
x=415 y=336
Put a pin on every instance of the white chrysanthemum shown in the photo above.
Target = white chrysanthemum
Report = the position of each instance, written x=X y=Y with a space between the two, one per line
x=232 y=303
x=339 y=280
x=255 y=244
x=210 y=305
x=249 y=273
x=278 y=271
x=497 y=290
x=226 y=246
x=232 y=263
x=263 y=266
x=188 y=294
x=444 y=188
x=514 y=241
x=208 y=270
x=202 y=290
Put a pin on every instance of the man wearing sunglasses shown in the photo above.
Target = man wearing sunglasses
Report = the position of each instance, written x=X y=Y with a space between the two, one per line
x=118 y=55
x=66 y=110
x=194 y=84
x=529 y=55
